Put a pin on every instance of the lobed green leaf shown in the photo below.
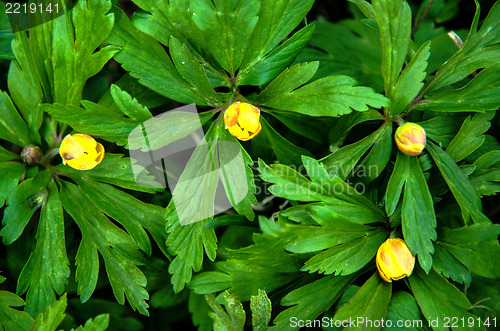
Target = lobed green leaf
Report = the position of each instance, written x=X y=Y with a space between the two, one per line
x=459 y=184
x=394 y=23
x=47 y=269
x=411 y=80
x=22 y=203
x=438 y=299
x=418 y=218
x=118 y=250
x=369 y=302
x=311 y=300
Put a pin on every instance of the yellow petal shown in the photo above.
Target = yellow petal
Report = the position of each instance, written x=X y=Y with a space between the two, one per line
x=253 y=134
x=238 y=132
x=70 y=149
x=83 y=163
x=248 y=117
x=81 y=151
x=394 y=260
x=100 y=152
x=410 y=138
x=86 y=141
x=231 y=115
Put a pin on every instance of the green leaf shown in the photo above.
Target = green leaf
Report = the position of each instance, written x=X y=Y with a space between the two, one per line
x=175 y=18
x=347 y=257
x=6 y=155
x=365 y=7
x=490 y=144
x=166 y=129
x=260 y=306
x=22 y=203
x=277 y=19
x=411 y=80
x=354 y=43
x=470 y=137
x=47 y=268
x=98 y=323
x=486 y=175
x=52 y=317
x=194 y=194
x=418 y=216
x=134 y=215
x=11 y=318
x=118 y=250
x=232 y=318
x=116 y=170
x=192 y=71
x=265 y=264
x=311 y=300
x=87 y=269
x=10 y=172
x=290 y=184
x=344 y=124
x=480 y=94
x=188 y=243
x=24 y=84
x=128 y=105
x=459 y=184
x=442 y=129
x=370 y=302
x=403 y=307
x=221 y=24
x=329 y=96
x=479 y=51
x=286 y=152
x=475 y=246
x=144 y=97
x=236 y=174
x=396 y=182
x=377 y=158
x=12 y=126
x=74 y=46
x=305 y=126
x=449 y=266
x=288 y=80
x=94 y=120
x=36 y=55
x=438 y=299
x=342 y=162
x=148 y=62
x=394 y=23
x=276 y=61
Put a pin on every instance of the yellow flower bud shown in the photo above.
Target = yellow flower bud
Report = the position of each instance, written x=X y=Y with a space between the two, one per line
x=242 y=120
x=81 y=151
x=394 y=260
x=410 y=138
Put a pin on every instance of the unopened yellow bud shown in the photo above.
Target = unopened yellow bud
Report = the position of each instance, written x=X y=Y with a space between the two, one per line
x=394 y=260
x=410 y=138
x=81 y=151
x=242 y=120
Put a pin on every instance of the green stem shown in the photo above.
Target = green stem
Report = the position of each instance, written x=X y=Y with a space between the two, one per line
x=422 y=16
x=45 y=161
